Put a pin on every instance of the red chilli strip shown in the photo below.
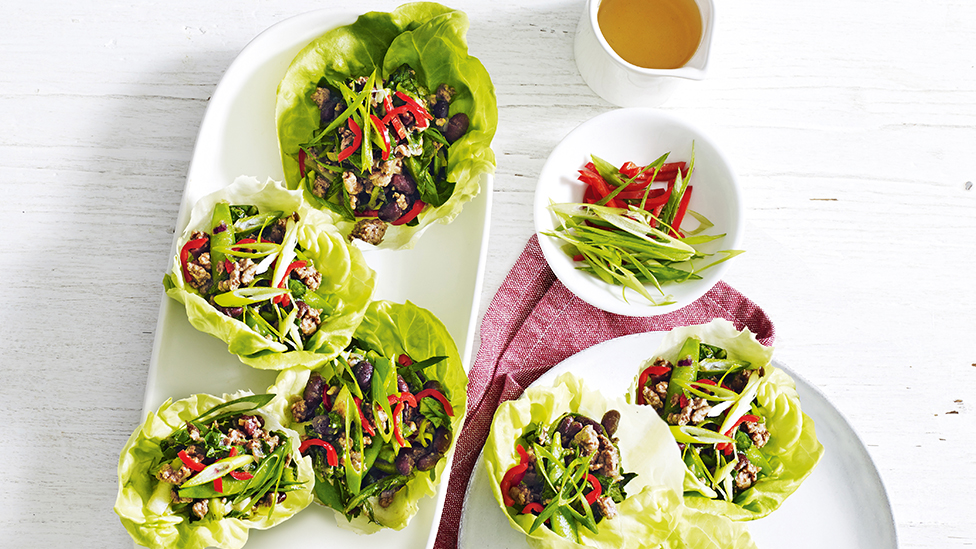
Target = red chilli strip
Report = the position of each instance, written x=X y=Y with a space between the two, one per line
x=357 y=139
x=397 y=418
x=523 y=454
x=362 y=419
x=330 y=454
x=596 y=491
x=682 y=208
x=185 y=253
x=219 y=485
x=233 y=451
x=535 y=508
x=655 y=371
x=439 y=396
x=392 y=115
x=284 y=299
x=241 y=475
x=190 y=462
x=410 y=214
x=414 y=107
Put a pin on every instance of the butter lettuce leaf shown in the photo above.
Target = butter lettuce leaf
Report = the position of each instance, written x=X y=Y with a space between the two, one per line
x=392 y=329
x=429 y=37
x=149 y=518
x=345 y=276
x=653 y=514
x=793 y=449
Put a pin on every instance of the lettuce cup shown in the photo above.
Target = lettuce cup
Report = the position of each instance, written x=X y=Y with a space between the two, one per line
x=272 y=277
x=380 y=420
x=202 y=471
x=387 y=123
x=743 y=437
x=571 y=468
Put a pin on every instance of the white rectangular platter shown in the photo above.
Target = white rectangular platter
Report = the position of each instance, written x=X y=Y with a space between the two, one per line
x=443 y=273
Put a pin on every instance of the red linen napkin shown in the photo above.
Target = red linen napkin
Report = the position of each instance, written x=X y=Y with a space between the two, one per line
x=532 y=324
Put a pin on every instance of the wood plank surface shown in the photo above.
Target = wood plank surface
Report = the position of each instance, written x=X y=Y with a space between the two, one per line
x=852 y=127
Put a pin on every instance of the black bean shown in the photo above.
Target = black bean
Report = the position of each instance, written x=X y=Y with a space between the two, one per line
x=324 y=427
x=404 y=462
x=456 y=127
x=428 y=462
x=386 y=497
x=442 y=440
x=404 y=184
x=390 y=212
x=610 y=421
x=402 y=384
x=364 y=374
x=313 y=390
x=439 y=110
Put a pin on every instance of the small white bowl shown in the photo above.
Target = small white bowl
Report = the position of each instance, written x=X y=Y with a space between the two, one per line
x=639 y=136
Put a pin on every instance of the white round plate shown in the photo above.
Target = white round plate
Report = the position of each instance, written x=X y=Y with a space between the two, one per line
x=639 y=136
x=842 y=505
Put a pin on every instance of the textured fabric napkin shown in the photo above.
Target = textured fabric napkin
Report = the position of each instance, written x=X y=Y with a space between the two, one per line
x=532 y=324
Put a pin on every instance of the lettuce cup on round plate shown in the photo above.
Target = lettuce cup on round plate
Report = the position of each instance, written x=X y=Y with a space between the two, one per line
x=387 y=123
x=380 y=420
x=202 y=471
x=571 y=468
x=272 y=277
x=744 y=439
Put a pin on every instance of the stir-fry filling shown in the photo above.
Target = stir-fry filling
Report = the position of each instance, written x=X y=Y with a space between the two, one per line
x=225 y=464
x=250 y=267
x=372 y=427
x=380 y=155
x=710 y=402
x=569 y=474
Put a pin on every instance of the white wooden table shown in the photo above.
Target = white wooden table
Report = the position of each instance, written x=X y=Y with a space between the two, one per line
x=852 y=127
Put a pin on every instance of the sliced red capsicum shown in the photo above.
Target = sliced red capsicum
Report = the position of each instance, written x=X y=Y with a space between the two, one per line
x=534 y=507
x=439 y=396
x=190 y=462
x=726 y=447
x=655 y=371
x=190 y=246
x=420 y=114
x=241 y=475
x=284 y=299
x=512 y=478
x=357 y=139
x=596 y=491
x=392 y=115
x=218 y=484
x=411 y=214
x=330 y=454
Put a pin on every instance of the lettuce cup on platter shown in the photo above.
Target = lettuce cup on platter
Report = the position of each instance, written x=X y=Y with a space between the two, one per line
x=379 y=421
x=743 y=437
x=272 y=277
x=387 y=123
x=571 y=468
x=202 y=471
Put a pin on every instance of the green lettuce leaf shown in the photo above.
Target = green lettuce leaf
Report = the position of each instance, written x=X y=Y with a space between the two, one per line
x=793 y=449
x=431 y=39
x=652 y=515
x=156 y=526
x=393 y=329
x=345 y=275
